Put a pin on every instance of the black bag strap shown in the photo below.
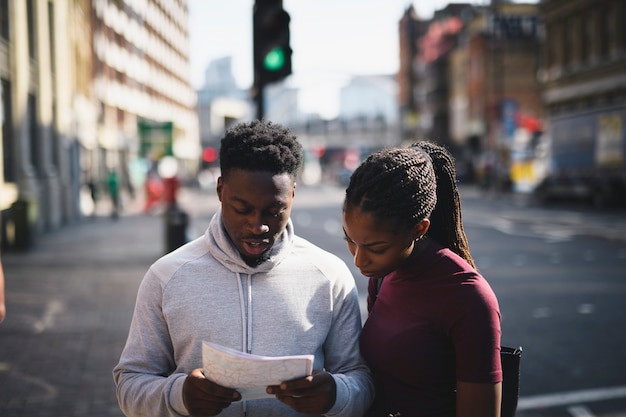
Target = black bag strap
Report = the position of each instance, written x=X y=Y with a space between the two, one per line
x=511 y=361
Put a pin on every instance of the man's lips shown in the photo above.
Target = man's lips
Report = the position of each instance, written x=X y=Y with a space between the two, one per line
x=256 y=247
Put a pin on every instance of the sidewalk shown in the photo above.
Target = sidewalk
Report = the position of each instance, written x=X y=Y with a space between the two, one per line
x=69 y=305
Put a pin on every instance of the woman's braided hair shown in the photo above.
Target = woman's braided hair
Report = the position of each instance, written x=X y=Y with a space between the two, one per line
x=403 y=186
x=446 y=221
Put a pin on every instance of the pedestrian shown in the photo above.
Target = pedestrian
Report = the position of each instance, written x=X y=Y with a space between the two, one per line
x=3 y=308
x=432 y=336
x=113 y=183
x=155 y=190
x=249 y=284
x=93 y=191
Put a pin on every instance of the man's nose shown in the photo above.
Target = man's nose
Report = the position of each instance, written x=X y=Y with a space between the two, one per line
x=258 y=225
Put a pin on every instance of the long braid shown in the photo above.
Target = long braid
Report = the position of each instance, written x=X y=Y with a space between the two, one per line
x=446 y=223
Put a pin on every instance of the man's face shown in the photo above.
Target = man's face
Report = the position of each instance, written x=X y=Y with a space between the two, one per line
x=256 y=206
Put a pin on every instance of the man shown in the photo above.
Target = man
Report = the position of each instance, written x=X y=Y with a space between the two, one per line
x=252 y=285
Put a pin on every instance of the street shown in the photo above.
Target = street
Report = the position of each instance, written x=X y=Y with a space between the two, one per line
x=557 y=272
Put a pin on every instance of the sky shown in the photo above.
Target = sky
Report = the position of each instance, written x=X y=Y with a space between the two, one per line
x=331 y=40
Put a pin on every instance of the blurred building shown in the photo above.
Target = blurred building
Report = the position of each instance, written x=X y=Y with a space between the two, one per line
x=371 y=96
x=46 y=72
x=425 y=47
x=436 y=47
x=466 y=78
x=584 y=81
x=411 y=29
x=220 y=102
x=141 y=75
x=495 y=87
x=78 y=78
x=281 y=103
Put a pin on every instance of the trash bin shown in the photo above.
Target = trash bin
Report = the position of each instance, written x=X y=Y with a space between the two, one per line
x=176 y=222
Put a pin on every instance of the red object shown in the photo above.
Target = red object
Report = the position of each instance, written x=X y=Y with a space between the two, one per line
x=154 y=192
x=209 y=154
x=170 y=190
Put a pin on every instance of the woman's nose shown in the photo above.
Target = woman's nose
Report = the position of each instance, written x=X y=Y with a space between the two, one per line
x=360 y=259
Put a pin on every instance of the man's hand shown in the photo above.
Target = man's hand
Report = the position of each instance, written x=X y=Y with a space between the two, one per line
x=314 y=394
x=203 y=397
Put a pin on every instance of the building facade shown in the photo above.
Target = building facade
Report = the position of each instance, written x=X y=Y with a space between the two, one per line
x=77 y=77
x=584 y=82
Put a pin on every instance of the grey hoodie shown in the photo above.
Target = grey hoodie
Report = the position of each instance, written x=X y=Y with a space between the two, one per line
x=303 y=300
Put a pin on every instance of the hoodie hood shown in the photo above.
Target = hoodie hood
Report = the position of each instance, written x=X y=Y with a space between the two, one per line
x=221 y=247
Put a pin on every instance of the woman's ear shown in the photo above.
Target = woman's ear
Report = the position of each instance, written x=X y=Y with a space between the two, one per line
x=421 y=229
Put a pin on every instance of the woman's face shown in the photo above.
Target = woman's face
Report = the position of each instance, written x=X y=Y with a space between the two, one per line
x=377 y=248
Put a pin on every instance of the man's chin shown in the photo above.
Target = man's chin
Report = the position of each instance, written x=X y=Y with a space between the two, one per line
x=255 y=261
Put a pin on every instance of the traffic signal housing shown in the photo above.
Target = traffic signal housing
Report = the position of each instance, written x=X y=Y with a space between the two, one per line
x=272 y=53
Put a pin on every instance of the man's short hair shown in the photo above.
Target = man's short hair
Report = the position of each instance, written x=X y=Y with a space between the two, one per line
x=260 y=146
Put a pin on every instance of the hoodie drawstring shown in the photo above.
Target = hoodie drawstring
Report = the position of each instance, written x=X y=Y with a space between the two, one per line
x=242 y=306
x=249 y=334
x=245 y=302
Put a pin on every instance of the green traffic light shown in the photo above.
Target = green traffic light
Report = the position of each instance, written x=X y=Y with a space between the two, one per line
x=274 y=60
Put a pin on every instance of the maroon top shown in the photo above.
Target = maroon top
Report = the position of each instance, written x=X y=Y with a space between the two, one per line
x=435 y=321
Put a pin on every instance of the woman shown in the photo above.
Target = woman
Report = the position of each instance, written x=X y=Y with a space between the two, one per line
x=432 y=337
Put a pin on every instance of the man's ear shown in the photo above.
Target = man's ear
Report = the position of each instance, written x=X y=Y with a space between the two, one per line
x=219 y=188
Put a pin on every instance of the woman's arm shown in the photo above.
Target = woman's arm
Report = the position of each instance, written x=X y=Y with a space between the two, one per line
x=478 y=400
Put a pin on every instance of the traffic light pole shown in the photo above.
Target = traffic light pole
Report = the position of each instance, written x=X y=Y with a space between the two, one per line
x=259 y=100
x=271 y=50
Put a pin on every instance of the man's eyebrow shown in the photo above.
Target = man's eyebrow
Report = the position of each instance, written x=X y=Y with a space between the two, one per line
x=275 y=204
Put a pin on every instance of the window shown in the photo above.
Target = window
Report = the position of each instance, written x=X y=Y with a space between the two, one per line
x=606 y=28
x=8 y=137
x=33 y=132
x=585 y=40
x=4 y=19
x=31 y=28
x=51 y=38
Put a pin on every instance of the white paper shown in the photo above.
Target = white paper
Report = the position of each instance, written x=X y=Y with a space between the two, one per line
x=251 y=374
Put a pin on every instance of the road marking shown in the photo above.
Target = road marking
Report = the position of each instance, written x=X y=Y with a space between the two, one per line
x=585 y=308
x=571 y=397
x=542 y=312
x=580 y=411
x=53 y=308
x=40 y=391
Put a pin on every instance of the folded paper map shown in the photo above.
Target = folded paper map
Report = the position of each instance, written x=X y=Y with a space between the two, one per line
x=251 y=374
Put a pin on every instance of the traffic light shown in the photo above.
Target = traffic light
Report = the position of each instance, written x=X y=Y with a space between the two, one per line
x=272 y=53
